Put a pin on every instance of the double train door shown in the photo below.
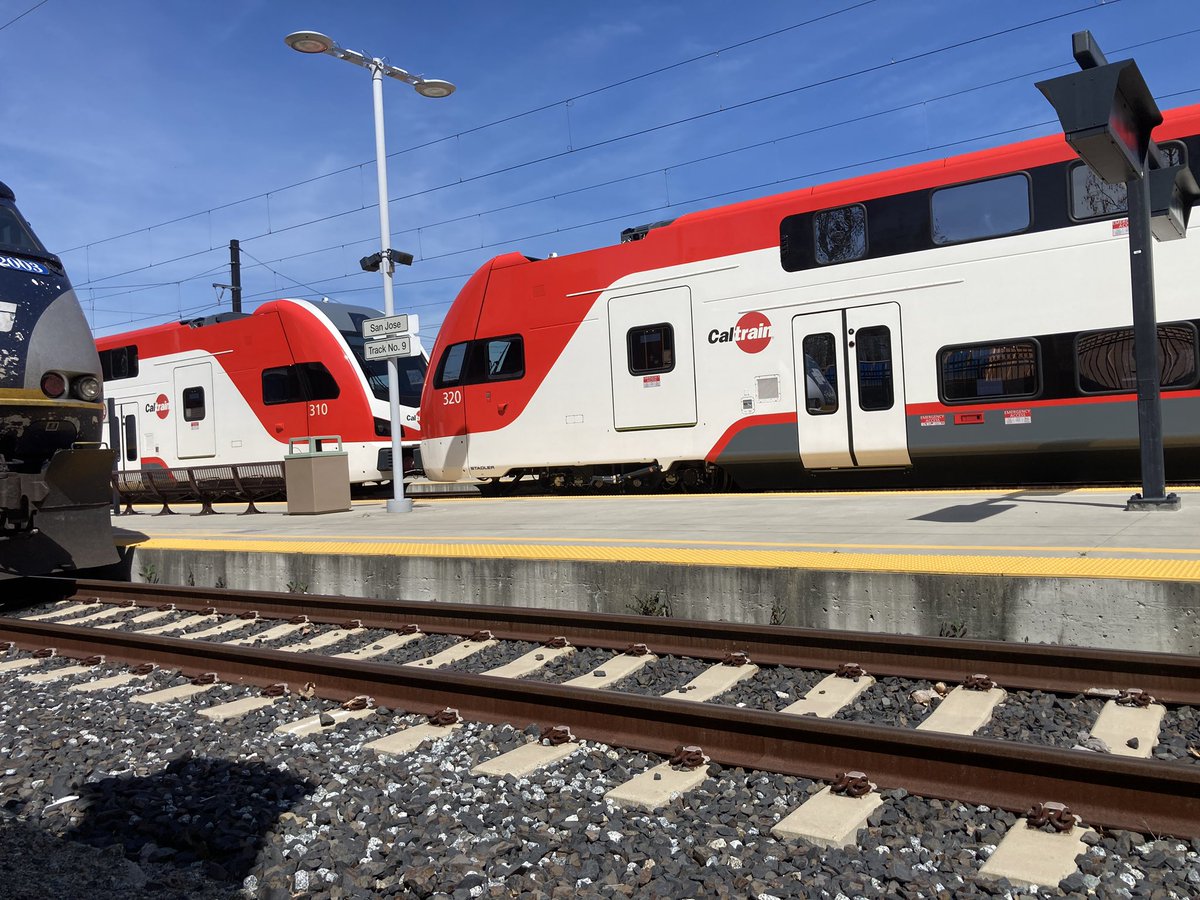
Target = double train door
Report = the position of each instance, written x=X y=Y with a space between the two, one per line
x=850 y=388
x=123 y=432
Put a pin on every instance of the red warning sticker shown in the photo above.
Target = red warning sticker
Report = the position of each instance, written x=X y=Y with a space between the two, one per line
x=1018 y=416
x=1120 y=228
x=651 y=381
x=929 y=421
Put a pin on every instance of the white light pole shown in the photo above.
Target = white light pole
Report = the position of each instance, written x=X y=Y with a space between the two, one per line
x=315 y=42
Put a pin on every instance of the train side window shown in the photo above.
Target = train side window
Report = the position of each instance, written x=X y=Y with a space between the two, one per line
x=321 y=383
x=1093 y=198
x=988 y=371
x=505 y=358
x=131 y=451
x=281 y=385
x=651 y=349
x=873 y=355
x=119 y=362
x=981 y=209
x=840 y=235
x=193 y=404
x=820 y=374
x=1105 y=364
x=451 y=367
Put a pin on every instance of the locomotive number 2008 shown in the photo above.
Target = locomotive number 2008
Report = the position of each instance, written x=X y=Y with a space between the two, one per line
x=449 y=398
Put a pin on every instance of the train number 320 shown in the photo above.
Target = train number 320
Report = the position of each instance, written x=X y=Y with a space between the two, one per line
x=449 y=398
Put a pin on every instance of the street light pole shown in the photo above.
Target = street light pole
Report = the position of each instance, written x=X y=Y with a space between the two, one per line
x=398 y=503
x=315 y=42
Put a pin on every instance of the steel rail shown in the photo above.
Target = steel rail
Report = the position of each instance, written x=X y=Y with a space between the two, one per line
x=1168 y=677
x=1105 y=790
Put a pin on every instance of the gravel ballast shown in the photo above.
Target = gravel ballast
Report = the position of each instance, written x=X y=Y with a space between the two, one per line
x=136 y=801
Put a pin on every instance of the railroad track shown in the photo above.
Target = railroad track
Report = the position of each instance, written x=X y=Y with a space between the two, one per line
x=1106 y=790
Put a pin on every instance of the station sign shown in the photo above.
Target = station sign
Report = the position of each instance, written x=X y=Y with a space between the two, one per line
x=389 y=326
x=389 y=348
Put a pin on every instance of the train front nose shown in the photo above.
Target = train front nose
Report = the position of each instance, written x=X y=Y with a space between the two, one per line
x=445 y=459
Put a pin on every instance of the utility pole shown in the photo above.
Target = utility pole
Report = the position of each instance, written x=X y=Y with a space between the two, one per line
x=235 y=275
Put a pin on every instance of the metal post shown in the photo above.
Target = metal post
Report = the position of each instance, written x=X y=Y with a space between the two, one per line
x=398 y=503
x=1145 y=353
x=1088 y=55
x=235 y=275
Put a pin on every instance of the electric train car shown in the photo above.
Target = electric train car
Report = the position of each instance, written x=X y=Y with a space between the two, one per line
x=965 y=320
x=235 y=387
x=54 y=475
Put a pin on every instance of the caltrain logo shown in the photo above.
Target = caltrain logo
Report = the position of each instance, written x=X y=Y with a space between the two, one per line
x=160 y=407
x=752 y=333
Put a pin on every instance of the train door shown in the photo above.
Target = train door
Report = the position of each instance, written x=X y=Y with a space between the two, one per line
x=194 y=428
x=123 y=434
x=653 y=362
x=849 y=376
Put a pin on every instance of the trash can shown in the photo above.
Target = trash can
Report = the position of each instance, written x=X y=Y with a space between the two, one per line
x=317 y=477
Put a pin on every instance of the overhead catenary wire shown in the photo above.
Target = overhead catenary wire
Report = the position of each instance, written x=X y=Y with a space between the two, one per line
x=594 y=145
x=671 y=204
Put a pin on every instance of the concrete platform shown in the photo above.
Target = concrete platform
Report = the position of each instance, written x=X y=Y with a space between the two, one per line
x=1042 y=566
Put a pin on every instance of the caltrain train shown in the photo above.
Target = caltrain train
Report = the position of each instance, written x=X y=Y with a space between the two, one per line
x=54 y=475
x=965 y=320
x=236 y=387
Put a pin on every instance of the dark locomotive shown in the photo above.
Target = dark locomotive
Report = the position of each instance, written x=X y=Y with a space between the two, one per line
x=55 y=488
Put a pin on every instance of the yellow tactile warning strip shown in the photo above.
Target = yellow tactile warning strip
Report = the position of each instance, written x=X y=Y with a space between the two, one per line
x=1031 y=549
x=908 y=563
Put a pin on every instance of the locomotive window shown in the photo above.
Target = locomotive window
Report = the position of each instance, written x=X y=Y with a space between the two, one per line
x=981 y=209
x=451 y=368
x=293 y=384
x=119 y=362
x=131 y=451
x=989 y=371
x=840 y=234
x=14 y=233
x=873 y=354
x=1104 y=359
x=651 y=349
x=820 y=374
x=1092 y=198
x=505 y=358
x=321 y=383
x=193 y=404
x=281 y=385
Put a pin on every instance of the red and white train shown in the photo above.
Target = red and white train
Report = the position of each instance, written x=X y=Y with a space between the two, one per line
x=961 y=320
x=235 y=387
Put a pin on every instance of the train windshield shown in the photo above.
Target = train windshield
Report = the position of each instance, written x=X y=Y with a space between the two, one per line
x=411 y=372
x=16 y=236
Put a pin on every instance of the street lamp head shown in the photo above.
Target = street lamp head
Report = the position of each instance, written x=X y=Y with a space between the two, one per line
x=309 y=42
x=434 y=88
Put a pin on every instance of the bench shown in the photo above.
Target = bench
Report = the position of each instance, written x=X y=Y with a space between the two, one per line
x=245 y=482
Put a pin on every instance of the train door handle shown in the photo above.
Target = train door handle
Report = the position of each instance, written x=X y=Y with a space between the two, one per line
x=975 y=418
x=500 y=408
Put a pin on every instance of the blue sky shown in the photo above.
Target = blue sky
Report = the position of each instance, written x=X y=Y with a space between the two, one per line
x=141 y=135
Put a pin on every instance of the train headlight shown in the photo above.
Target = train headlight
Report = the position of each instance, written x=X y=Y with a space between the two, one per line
x=53 y=385
x=87 y=388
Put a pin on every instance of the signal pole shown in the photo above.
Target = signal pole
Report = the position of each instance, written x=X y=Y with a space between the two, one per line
x=235 y=275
